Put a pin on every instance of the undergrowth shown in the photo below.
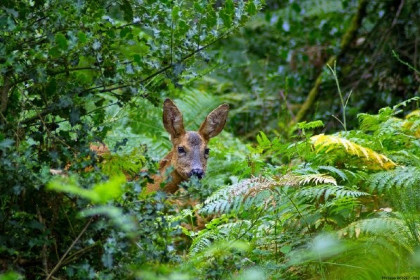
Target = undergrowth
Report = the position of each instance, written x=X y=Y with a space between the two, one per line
x=342 y=203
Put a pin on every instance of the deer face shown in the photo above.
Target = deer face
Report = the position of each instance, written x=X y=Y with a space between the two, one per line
x=190 y=151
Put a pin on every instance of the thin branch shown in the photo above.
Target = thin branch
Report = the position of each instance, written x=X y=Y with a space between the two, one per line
x=44 y=251
x=105 y=89
x=289 y=108
x=404 y=62
x=57 y=266
x=53 y=73
x=4 y=91
x=164 y=68
x=397 y=15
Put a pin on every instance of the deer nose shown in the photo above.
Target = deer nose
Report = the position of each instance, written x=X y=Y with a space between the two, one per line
x=197 y=172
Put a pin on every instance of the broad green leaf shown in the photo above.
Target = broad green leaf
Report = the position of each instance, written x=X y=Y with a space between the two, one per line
x=61 y=41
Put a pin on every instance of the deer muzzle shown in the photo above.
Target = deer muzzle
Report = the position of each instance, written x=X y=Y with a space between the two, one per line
x=196 y=172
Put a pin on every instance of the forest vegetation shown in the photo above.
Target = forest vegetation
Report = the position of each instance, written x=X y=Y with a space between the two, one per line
x=315 y=176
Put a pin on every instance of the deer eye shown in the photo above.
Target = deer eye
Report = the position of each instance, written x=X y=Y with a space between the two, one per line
x=181 y=150
x=206 y=151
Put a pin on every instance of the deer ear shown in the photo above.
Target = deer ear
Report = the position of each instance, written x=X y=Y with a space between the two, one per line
x=214 y=122
x=172 y=119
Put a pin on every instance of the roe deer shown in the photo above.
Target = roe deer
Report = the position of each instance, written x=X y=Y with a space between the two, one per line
x=189 y=152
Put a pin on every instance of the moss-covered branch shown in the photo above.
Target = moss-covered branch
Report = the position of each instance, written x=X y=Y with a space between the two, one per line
x=348 y=37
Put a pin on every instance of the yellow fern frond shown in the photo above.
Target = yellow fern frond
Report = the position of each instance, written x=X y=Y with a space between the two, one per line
x=415 y=113
x=371 y=159
x=412 y=123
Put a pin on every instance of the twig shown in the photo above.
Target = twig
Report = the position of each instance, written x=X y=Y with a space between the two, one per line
x=405 y=63
x=104 y=89
x=287 y=104
x=44 y=246
x=397 y=15
x=343 y=104
x=57 y=266
x=5 y=92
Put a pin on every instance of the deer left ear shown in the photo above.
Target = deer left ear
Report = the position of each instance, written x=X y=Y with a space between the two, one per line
x=172 y=119
x=214 y=122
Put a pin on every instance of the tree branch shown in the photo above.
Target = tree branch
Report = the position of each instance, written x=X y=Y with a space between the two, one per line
x=57 y=266
x=108 y=89
x=4 y=92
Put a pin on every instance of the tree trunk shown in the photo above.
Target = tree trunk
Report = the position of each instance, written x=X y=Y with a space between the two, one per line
x=348 y=37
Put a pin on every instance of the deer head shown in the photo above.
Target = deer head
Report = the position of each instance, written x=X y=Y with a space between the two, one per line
x=190 y=152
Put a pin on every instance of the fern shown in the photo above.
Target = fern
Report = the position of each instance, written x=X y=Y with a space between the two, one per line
x=334 y=171
x=257 y=191
x=401 y=177
x=412 y=123
x=327 y=191
x=392 y=228
x=371 y=160
x=222 y=232
x=130 y=164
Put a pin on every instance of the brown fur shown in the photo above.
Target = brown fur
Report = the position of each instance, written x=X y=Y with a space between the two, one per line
x=193 y=145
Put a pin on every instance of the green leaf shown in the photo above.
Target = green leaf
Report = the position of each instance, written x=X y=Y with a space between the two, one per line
x=286 y=249
x=227 y=20
x=82 y=37
x=101 y=193
x=11 y=275
x=51 y=87
x=124 y=32
x=54 y=52
x=250 y=8
x=175 y=13
x=6 y=143
x=109 y=190
x=61 y=41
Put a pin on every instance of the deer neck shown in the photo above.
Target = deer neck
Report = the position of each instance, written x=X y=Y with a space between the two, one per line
x=173 y=185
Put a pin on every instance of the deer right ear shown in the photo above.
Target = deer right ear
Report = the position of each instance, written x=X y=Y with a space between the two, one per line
x=172 y=119
x=214 y=122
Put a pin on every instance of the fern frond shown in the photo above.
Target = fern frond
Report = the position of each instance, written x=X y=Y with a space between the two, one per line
x=209 y=236
x=130 y=164
x=231 y=198
x=370 y=122
x=335 y=171
x=327 y=191
x=412 y=123
x=371 y=159
x=390 y=228
x=316 y=179
x=250 y=192
x=401 y=177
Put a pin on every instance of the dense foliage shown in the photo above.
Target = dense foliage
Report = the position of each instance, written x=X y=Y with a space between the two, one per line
x=329 y=190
